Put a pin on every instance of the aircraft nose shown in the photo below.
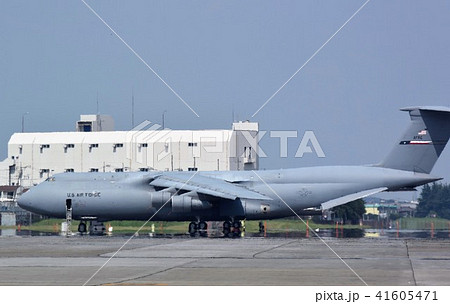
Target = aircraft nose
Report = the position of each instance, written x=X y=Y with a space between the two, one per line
x=25 y=201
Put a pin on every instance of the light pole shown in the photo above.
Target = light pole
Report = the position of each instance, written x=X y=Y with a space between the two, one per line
x=23 y=120
x=163 y=118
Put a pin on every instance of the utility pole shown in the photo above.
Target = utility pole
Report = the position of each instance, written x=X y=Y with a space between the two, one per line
x=163 y=119
x=23 y=120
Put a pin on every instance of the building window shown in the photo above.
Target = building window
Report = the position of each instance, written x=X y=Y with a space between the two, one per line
x=85 y=126
x=42 y=172
x=93 y=170
x=68 y=146
x=92 y=146
x=193 y=169
x=192 y=144
x=115 y=146
x=69 y=170
x=119 y=170
x=142 y=145
x=42 y=147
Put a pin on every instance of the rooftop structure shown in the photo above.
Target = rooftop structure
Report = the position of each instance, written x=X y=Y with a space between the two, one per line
x=95 y=147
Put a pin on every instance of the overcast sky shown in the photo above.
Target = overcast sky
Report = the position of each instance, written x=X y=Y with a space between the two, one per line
x=230 y=56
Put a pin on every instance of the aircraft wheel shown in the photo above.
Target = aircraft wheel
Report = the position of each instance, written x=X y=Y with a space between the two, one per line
x=261 y=227
x=82 y=228
x=226 y=225
x=226 y=232
x=236 y=232
x=202 y=226
x=237 y=224
x=193 y=228
x=226 y=228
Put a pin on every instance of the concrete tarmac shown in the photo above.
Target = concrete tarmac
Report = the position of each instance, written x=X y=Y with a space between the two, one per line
x=57 y=260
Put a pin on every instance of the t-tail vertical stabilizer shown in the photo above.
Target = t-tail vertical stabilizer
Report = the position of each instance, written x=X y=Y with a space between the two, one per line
x=421 y=145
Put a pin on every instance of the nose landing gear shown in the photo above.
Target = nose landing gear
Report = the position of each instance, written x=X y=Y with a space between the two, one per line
x=82 y=228
x=95 y=227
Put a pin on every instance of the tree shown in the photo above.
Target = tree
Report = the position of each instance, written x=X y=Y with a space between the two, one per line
x=352 y=211
x=434 y=199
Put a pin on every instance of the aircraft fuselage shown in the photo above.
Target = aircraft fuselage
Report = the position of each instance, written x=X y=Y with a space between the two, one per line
x=129 y=196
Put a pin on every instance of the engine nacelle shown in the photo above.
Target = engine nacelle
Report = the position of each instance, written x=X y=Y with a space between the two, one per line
x=185 y=204
x=159 y=198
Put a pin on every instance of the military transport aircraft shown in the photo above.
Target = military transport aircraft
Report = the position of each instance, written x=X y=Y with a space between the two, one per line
x=231 y=196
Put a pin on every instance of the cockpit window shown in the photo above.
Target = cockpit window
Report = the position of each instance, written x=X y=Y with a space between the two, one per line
x=50 y=179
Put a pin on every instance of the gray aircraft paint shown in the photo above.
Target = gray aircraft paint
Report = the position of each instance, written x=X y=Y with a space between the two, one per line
x=225 y=195
x=423 y=142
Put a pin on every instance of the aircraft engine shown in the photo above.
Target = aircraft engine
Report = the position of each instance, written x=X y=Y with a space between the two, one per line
x=184 y=204
x=159 y=198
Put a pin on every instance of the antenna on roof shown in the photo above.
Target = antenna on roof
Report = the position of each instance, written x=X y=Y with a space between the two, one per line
x=97 y=103
x=132 y=108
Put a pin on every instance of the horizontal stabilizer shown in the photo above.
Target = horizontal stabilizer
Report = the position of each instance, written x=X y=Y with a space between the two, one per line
x=351 y=197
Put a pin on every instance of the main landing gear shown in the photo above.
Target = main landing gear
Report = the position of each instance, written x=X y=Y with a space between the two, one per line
x=232 y=228
x=229 y=228
x=200 y=227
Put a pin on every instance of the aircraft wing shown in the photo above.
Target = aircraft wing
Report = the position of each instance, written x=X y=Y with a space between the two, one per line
x=206 y=185
x=351 y=197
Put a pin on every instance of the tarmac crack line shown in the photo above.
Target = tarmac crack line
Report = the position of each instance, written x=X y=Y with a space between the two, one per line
x=105 y=254
x=191 y=262
x=410 y=263
x=152 y=274
x=314 y=232
x=273 y=248
x=137 y=232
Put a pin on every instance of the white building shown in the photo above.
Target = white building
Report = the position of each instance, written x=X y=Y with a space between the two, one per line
x=33 y=157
